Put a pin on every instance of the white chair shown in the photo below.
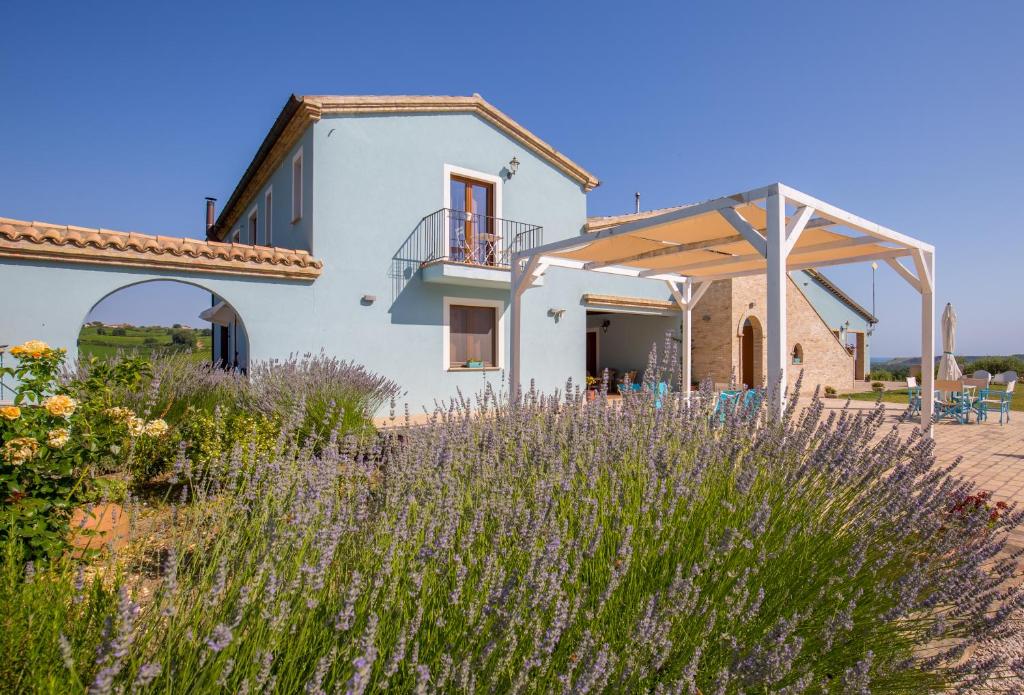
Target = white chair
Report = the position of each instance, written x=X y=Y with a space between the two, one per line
x=913 y=395
x=1005 y=377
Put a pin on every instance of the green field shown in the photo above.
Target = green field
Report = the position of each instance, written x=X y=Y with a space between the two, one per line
x=900 y=396
x=105 y=341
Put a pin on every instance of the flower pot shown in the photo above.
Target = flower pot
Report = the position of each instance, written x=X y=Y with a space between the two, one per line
x=96 y=527
x=591 y=394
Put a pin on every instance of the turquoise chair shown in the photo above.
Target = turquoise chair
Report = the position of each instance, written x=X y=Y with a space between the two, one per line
x=995 y=400
x=913 y=396
x=957 y=407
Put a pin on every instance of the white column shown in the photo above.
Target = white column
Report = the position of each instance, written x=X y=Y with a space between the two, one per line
x=515 y=329
x=926 y=274
x=687 y=331
x=776 y=238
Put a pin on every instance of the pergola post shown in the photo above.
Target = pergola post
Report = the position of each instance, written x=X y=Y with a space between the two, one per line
x=925 y=262
x=515 y=328
x=776 y=334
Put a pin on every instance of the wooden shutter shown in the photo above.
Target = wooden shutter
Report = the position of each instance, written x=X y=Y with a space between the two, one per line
x=472 y=335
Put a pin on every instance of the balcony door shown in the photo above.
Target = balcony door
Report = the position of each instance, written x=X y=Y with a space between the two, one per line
x=471 y=232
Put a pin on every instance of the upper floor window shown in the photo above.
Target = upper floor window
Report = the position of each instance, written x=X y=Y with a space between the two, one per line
x=798 y=354
x=297 y=187
x=268 y=216
x=474 y=203
x=253 y=227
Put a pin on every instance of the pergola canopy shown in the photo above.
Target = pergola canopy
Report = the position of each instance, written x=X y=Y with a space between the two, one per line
x=769 y=230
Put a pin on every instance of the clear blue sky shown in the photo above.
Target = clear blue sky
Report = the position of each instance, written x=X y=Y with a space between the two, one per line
x=908 y=113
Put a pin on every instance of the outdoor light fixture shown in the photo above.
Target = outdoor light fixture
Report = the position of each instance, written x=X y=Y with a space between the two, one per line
x=368 y=299
x=556 y=313
x=604 y=325
x=513 y=167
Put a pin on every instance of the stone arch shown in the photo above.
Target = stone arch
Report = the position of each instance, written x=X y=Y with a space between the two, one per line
x=750 y=339
x=232 y=332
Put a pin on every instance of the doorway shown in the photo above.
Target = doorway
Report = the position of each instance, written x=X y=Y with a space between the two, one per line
x=751 y=345
x=592 y=359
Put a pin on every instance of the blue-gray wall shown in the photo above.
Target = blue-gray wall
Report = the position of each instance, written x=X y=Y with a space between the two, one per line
x=834 y=312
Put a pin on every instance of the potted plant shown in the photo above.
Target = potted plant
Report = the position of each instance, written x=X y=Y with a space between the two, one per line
x=830 y=392
x=475 y=363
x=591 y=387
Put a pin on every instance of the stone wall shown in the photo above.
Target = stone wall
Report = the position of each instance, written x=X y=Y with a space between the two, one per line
x=717 y=342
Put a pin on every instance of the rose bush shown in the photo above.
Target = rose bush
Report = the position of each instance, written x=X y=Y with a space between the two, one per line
x=56 y=447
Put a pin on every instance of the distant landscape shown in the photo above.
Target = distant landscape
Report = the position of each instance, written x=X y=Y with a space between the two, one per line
x=105 y=340
x=897 y=368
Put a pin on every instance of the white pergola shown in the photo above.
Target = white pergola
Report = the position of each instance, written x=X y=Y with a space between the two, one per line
x=770 y=230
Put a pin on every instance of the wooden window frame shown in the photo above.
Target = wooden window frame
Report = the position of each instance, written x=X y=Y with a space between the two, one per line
x=252 y=227
x=298 y=192
x=499 y=332
x=268 y=216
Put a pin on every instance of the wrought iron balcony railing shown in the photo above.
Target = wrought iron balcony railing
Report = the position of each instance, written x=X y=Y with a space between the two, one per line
x=458 y=236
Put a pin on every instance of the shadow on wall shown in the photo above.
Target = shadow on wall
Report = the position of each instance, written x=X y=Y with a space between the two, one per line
x=410 y=257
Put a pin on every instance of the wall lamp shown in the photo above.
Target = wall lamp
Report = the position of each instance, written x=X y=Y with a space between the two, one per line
x=556 y=313
x=604 y=325
x=513 y=167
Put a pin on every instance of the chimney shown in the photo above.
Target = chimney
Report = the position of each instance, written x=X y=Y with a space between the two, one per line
x=210 y=203
x=636 y=198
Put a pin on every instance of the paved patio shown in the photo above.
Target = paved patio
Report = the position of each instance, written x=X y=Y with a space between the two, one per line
x=993 y=454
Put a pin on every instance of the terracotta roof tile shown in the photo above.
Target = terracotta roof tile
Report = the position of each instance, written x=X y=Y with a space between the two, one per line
x=40 y=240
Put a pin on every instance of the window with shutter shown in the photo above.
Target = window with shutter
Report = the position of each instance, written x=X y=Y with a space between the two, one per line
x=472 y=335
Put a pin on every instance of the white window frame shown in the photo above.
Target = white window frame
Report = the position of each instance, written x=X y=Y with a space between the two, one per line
x=446 y=333
x=236 y=236
x=252 y=226
x=297 y=203
x=268 y=216
x=495 y=181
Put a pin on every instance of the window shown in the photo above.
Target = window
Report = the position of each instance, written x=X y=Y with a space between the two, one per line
x=472 y=336
x=253 y=227
x=236 y=235
x=268 y=217
x=473 y=199
x=297 y=187
x=798 y=354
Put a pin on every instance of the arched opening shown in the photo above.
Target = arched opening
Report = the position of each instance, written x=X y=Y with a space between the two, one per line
x=751 y=347
x=161 y=316
x=798 y=354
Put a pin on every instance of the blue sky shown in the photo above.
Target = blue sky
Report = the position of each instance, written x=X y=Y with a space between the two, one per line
x=126 y=115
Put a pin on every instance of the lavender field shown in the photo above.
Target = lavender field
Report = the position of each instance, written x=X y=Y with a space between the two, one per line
x=281 y=544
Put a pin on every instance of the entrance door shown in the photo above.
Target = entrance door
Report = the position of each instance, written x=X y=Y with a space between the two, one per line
x=592 y=354
x=747 y=355
x=223 y=362
x=471 y=237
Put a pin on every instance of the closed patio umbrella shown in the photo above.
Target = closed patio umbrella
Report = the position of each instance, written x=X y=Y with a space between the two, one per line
x=948 y=368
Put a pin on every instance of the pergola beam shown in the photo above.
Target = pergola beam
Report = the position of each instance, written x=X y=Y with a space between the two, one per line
x=746 y=230
x=896 y=265
x=796 y=226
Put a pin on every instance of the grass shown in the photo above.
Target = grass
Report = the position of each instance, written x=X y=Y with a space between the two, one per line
x=900 y=396
x=139 y=341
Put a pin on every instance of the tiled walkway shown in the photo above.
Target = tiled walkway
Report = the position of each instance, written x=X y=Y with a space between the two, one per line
x=992 y=455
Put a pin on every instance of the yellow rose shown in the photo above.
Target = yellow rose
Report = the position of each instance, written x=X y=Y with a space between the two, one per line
x=57 y=438
x=30 y=348
x=60 y=405
x=19 y=450
x=119 y=414
x=136 y=426
x=10 y=412
x=156 y=428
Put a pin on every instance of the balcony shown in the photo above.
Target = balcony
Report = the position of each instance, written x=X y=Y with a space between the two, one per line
x=456 y=247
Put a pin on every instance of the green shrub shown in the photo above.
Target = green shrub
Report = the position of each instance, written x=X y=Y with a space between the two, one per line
x=881 y=375
x=830 y=392
x=877 y=386
x=995 y=365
